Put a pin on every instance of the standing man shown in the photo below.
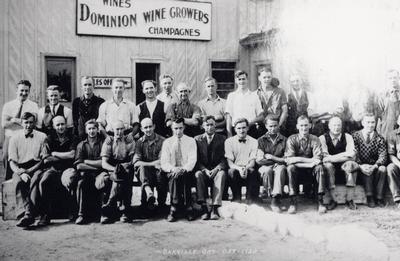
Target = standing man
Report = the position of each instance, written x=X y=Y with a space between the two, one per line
x=86 y=107
x=118 y=109
x=393 y=169
x=270 y=158
x=372 y=158
x=241 y=153
x=273 y=99
x=304 y=156
x=27 y=150
x=152 y=108
x=178 y=158
x=213 y=105
x=53 y=109
x=148 y=167
x=339 y=155
x=211 y=168
x=243 y=103
x=189 y=112
x=11 y=119
x=167 y=95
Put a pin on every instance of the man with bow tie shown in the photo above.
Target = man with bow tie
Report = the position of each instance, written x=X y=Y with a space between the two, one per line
x=241 y=153
x=27 y=150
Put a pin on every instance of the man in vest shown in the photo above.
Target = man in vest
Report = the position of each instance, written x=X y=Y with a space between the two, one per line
x=339 y=155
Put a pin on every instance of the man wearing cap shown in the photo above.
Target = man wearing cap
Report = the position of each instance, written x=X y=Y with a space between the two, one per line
x=167 y=95
x=148 y=167
x=116 y=154
x=178 y=159
x=11 y=117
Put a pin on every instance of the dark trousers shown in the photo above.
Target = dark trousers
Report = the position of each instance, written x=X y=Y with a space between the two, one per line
x=180 y=189
x=334 y=173
x=273 y=178
x=393 y=173
x=86 y=191
x=154 y=178
x=235 y=181
x=217 y=183
x=374 y=183
x=6 y=163
x=317 y=173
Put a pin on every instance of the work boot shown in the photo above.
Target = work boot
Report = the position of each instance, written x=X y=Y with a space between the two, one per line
x=206 y=214
x=293 y=206
x=214 y=213
x=370 y=202
x=351 y=205
x=25 y=221
x=275 y=206
x=44 y=220
x=380 y=203
x=332 y=205
x=321 y=208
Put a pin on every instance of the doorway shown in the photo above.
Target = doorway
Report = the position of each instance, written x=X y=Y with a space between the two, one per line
x=145 y=71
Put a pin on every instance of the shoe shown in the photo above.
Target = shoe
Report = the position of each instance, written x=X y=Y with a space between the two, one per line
x=25 y=221
x=206 y=214
x=380 y=203
x=72 y=217
x=275 y=206
x=397 y=204
x=293 y=206
x=189 y=215
x=351 y=205
x=332 y=205
x=44 y=220
x=171 y=216
x=321 y=208
x=151 y=200
x=80 y=220
x=105 y=220
x=214 y=213
x=370 y=202
x=124 y=218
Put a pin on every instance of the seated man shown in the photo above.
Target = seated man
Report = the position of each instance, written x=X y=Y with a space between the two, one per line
x=116 y=155
x=148 y=168
x=393 y=169
x=303 y=156
x=372 y=158
x=211 y=167
x=339 y=155
x=61 y=146
x=271 y=149
x=178 y=158
x=27 y=150
x=88 y=165
x=241 y=153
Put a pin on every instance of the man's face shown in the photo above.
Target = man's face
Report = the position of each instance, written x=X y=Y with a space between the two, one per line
x=295 y=82
x=149 y=90
x=91 y=130
x=393 y=79
x=53 y=97
x=211 y=88
x=118 y=89
x=119 y=130
x=241 y=81
x=209 y=127
x=241 y=130
x=272 y=127
x=59 y=125
x=335 y=126
x=265 y=78
x=23 y=92
x=177 y=129
x=148 y=128
x=368 y=123
x=28 y=125
x=183 y=93
x=166 y=85
x=87 y=87
x=303 y=126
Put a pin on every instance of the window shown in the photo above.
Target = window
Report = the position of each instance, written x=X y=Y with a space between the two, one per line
x=224 y=73
x=61 y=71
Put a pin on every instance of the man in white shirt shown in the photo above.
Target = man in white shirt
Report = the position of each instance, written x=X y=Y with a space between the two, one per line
x=11 y=117
x=178 y=158
x=167 y=95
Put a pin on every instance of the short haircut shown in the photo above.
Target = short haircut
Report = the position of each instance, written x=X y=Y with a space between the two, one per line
x=25 y=82
x=181 y=84
x=146 y=81
x=53 y=88
x=27 y=115
x=59 y=116
x=303 y=117
x=241 y=120
x=86 y=78
x=334 y=118
x=179 y=121
x=92 y=121
x=166 y=75
x=208 y=117
x=115 y=80
x=264 y=69
x=209 y=78
x=368 y=114
x=271 y=117
x=240 y=73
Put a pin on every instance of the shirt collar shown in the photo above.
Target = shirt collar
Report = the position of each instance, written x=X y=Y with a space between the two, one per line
x=279 y=136
x=217 y=99
x=122 y=101
x=333 y=137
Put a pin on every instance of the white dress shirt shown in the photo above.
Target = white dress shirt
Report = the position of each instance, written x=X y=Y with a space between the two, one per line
x=168 y=153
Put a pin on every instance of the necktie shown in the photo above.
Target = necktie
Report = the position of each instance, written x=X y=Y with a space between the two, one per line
x=335 y=141
x=19 y=111
x=242 y=140
x=368 y=139
x=54 y=110
x=30 y=135
x=178 y=156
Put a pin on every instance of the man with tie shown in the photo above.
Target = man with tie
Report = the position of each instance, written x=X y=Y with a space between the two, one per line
x=27 y=151
x=241 y=153
x=339 y=155
x=167 y=95
x=304 y=159
x=11 y=117
x=372 y=158
x=211 y=168
x=178 y=158
x=54 y=108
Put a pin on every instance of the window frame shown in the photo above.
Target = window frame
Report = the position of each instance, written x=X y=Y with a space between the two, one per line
x=219 y=90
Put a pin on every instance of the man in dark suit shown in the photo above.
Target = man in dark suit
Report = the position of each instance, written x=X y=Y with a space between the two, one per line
x=211 y=167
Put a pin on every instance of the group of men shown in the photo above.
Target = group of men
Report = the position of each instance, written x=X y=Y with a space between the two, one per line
x=170 y=145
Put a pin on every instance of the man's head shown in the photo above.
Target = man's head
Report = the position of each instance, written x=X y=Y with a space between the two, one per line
x=183 y=91
x=166 y=83
x=92 y=128
x=393 y=78
x=272 y=124
x=241 y=79
x=59 y=124
x=335 y=125
x=147 y=127
x=265 y=76
x=53 y=94
x=178 y=126
x=211 y=86
x=23 y=90
x=209 y=125
x=241 y=126
x=118 y=128
x=368 y=122
x=149 y=89
x=295 y=82
x=87 y=86
x=28 y=122
x=118 y=88
x=303 y=125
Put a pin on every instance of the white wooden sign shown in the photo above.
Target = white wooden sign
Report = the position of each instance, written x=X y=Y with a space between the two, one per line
x=106 y=81
x=167 y=19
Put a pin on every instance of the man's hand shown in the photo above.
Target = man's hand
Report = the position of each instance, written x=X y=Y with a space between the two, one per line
x=268 y=156
x=243 y=172
x=316 y=162
x=290 y=161
x=16 y=120
x=25 y=177
x=327 y=159
x=157 y=165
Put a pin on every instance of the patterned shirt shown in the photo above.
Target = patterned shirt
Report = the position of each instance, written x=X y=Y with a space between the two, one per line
x=272 y=103
x=371 y=153
x=308 y=146
x=148 y=149
x=275 y=147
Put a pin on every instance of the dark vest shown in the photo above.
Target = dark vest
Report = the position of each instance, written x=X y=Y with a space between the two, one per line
x=298 y=107
x=158 y=116
x=47 y=123
x=340 y=146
